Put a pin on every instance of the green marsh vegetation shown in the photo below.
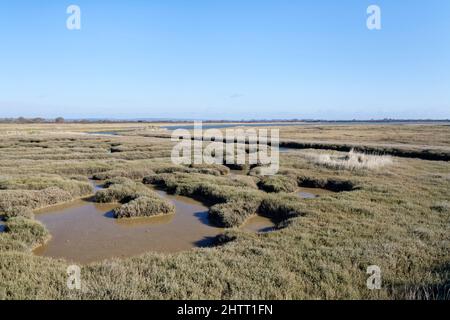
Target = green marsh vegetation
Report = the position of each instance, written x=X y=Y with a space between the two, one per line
x=137 y=200
x=395 y=216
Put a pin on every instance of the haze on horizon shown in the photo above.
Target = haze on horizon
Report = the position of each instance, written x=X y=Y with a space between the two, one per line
x=225 y=60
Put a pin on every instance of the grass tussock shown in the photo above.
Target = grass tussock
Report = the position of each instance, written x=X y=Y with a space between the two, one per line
x=331 y=184
x=19 y=211
x=245 y=181
x=352 y=161
x=212 y=169
x=73 y=185
x=278 y=183
x=144 y=207
x=122 y=190
x=29 y=232
x=117 y=180
x=137 y=199
x=33 y=199
x=282 y=207
x=232 y=213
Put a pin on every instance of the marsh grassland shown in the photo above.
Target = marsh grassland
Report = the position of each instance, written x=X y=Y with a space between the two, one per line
x=387 y=204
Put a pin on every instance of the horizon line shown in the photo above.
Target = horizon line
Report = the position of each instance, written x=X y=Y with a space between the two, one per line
x=113 y=119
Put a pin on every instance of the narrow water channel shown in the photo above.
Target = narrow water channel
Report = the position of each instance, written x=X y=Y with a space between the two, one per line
x=311 y=193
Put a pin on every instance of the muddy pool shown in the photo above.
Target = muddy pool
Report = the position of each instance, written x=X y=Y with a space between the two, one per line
x=84 y=231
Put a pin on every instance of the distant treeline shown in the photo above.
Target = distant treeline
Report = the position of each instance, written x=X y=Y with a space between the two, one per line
x=24 y=120
x=31 y=120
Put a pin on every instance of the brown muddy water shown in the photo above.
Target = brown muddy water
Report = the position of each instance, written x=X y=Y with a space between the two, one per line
x=84 y=231
x=259 y=223
x=311 y=193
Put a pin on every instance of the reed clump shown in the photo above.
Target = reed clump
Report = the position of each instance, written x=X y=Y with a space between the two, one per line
x=351 y=161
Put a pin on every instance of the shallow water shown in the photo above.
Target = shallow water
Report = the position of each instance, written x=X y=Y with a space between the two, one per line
x=2 y=226
x=311 y=193
x=105 y=133
x=259 y=223
x=84 y=231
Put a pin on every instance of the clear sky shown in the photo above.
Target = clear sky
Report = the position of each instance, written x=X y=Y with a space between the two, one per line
x=227 y=59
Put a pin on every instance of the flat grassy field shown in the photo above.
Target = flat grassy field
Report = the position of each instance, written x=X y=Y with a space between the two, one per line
x=391 y=209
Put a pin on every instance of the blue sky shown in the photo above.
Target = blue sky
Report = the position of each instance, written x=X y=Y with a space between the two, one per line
x=210 y=59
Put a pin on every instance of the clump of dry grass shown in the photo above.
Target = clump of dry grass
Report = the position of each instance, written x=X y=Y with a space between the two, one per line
x=331 y=184
x=281 y=207
x=278 y=183
x=76 y=186
x=137 y=199
x=117 y=180
x=19 y=211
x=122 y=190
x=232 y=213
x=244 y=181
x=351 y=161
x=213 y=169
x=144 y=207
x=30 y=232
x=33 y=199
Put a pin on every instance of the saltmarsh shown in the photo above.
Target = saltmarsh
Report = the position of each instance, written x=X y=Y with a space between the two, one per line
x=396 y=217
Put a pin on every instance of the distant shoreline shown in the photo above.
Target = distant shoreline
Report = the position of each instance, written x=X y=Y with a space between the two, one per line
x=170 y=122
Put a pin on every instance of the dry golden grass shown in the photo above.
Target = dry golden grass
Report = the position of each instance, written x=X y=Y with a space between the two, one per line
x=351 y=161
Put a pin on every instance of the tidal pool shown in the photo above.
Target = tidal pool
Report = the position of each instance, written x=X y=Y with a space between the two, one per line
x=84 y=231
